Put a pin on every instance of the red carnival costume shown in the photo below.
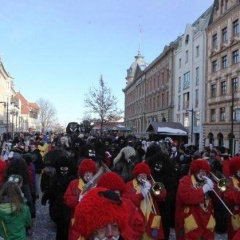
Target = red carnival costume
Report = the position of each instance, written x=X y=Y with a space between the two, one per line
x=232 y=198
x=194 y=211
x=135 y=192
x=75 y=187
x=98 y=209
x=135 y=228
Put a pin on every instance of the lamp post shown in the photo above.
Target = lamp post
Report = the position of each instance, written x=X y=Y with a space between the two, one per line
x=191 y=110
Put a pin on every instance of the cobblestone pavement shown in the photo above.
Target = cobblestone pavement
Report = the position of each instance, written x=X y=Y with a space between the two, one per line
x=45 y=229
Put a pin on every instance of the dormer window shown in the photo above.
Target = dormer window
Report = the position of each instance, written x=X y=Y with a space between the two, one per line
x=187 y=39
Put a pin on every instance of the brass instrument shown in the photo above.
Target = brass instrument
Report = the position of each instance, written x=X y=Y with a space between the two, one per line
x=222 y=184
x=92 y=182
x=157 y=187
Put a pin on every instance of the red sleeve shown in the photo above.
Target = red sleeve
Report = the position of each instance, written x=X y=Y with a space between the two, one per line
x=135 y=227
x=72 y=194
x=231 y=196
x=188 y=194
x=225 y=168
x=131 y=194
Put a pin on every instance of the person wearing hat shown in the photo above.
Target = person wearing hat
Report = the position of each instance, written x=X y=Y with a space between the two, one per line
x=139 y=191
x=232 y=197
x=123 y=163
x=101 y=214
x=86 y=170
x=135 y=227
x=194 y=218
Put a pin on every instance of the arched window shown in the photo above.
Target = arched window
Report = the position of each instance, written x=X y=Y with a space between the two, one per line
x=220 y=139
x=210 y=137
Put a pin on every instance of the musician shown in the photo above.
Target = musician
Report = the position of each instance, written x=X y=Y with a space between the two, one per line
x=72 y=196
x=139 y=191
x=232 y=197
x=135 y=227
x=194 y=211
x=101 y=214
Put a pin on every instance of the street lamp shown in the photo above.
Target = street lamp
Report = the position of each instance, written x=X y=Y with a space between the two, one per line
x=191 y=110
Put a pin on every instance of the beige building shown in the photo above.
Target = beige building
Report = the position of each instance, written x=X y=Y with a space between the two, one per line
x=149 y=91
x=222 y=126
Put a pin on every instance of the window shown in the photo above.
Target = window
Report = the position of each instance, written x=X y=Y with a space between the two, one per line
x=196 y=98
x=186 y=59
x=224 y=61
x=224 y=35
x=214 y=90
x=226 y=5
x=235 y=56
x=215 y=40
x=179 y=63
x=197 y=118
x=186 y=100
x=179 y=84
x=222 y=114
x=214 y=66
x=234 y=84
x=186 y=81
x=197 y=76
x=187 y=39
x=223 y=87
x=235 y=27
x=197 y=51
x=179 y=102
x=213 y=115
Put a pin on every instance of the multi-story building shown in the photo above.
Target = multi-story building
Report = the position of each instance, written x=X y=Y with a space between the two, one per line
x=189 y=82
x=222 y=126
x=149 y=94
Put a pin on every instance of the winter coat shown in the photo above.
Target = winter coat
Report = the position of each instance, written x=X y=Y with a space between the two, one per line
x=13 y=225
x=37 y=161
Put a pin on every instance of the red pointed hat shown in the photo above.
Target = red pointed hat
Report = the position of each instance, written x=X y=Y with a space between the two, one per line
x=96 y=210
x=141 y=168
x=112 y=181
x=87 y=165
x=234 y=165
x=199 y=164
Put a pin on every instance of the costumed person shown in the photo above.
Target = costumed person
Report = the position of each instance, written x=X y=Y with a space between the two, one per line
x=163 y=170
x=135 y=227
x=14 y=213
x=86 y=170
x=123 y=163
x=194 y=218
x=232 y=197
x=101 y=214
x=139 y=192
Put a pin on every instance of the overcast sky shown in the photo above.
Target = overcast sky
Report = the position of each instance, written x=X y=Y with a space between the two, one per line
x=57 y=49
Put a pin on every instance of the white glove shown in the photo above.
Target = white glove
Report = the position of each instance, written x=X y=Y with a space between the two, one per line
x=208 y=186
x=147 y=185
x=145 y=192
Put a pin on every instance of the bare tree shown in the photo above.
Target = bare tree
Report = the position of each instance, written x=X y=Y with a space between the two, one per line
x=102 y=103
x=47 y=114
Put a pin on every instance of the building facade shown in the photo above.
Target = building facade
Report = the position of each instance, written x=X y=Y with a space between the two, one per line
x=222 y=126
x=190 y=72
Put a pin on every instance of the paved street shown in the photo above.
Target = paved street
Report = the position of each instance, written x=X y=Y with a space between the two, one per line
x=44 y=228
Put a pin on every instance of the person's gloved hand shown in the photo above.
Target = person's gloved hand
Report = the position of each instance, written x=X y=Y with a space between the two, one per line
x=145 y=192
x=208 y=186
x=147 y=185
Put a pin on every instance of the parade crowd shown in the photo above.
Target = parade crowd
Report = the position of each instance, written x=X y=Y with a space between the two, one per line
x=118 y=187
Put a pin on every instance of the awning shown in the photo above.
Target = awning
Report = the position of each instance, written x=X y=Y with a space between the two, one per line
x=167 y=128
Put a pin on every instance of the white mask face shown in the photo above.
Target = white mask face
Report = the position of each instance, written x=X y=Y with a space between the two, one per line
x=142 y=178
x=238 y=174
x=110 y=232
x=87 y=176
x=201 y=174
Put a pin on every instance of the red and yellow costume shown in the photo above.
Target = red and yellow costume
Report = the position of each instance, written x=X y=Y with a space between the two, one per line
x=232 y=198
x=194 y=217
x=73 y=192
x=135 y=227
x=145 y=205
